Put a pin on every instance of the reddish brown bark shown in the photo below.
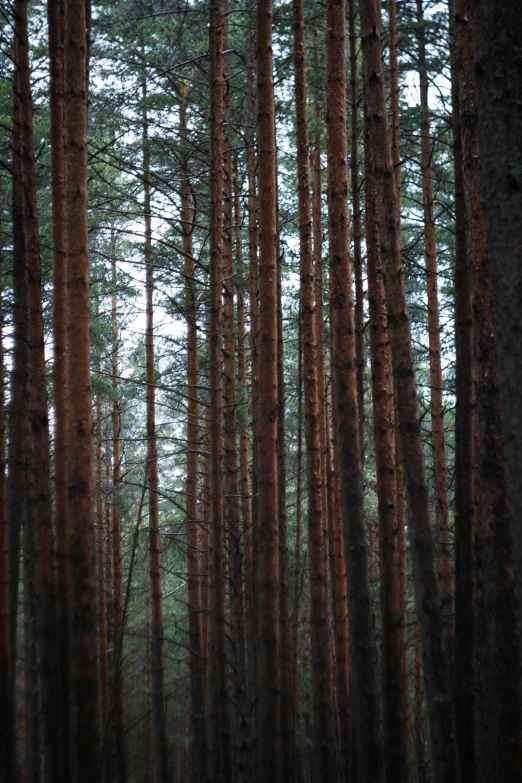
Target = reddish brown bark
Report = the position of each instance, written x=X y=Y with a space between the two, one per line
x=230 y=462
x=268 y=729
x=357 y=223
x=83 y=606
x=39 y=487
x=384 y=439
x=56 y=19
x=501 y=756
x=322 y=679
x=362 y=642
x=297 y=566
x=425 y=576
x=438 y=445
x=219 y=730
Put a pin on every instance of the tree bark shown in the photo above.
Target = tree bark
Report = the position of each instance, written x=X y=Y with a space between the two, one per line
x=219 y=718
x=465 y=663
x=384 y=439
x=268 y=729
x=362 y=642
x=56 y=22
x=425 y=576
x=322 y=677
x=497 y=30
x=85 y=683
x=501 y=757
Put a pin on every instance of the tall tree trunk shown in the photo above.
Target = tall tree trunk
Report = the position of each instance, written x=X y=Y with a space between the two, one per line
x=362 y=642
x=159 y=718
x=100 y=544
x=465 y=663
x=230 y=463
x=197 y=686
x=85 y=683
x=297 y=567
x=32 y=748
x=357 y=223
x=219 y=718
x=39 y=489
x=440 y=473
x=384 y=438
x=268 y=729
x=395 y=122
x=497 y=30
x=502 y=754
x=118 y=721
x=56 y=19
x=5 y=663
x=322 y=679
x=425 y=576
x=19 y=451
x=285 y=653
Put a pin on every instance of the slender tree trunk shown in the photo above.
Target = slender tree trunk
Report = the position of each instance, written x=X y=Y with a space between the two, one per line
x=39 y=490
x=440 y=473
x=85 y=683
x=159 y=718
x=384 y=438
x=219 y=718
x=465 y=664
x=32 y=748
x=19 y=449
x=422 y=772
x=267 y=522
x=395 y=123
x=497 y=30
x=199 y=749
x=244 y=475
x=297 y=568
x=251 y=588
x=100 y=542
x=425 y=576
x=362 y=642
x=117 y=683
x=502 y=758
x=230 y=463
x=56 y=19
x=149 y=741
x=322 y=679
x=357 y=223
x=5 y=663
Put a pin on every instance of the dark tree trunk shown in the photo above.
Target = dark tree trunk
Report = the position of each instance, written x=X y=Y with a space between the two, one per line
x=465 y=664
x=384 y=439
x=322 y=678
x=362 y=642
x=268 y=729
x=501 y=755
x=423 y=550
x=219 y=715
x=85 y=683
x=497 y=31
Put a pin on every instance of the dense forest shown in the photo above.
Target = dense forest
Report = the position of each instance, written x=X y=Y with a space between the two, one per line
x=260 y=391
